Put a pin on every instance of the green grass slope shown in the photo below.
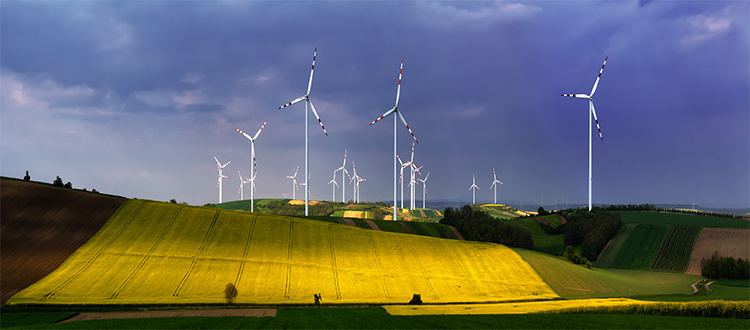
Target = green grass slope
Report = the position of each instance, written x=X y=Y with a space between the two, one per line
x=575 y=281
x=162 y=253
x=550 y=244
x=641 y=247
x=681 y=219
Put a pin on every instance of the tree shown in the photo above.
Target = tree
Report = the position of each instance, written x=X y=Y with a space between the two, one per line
x=541 y=211
x=377 y=213
x=69 y=185
x=58 y=182
x=173 y=201
x=230 y=293
x=27 y=177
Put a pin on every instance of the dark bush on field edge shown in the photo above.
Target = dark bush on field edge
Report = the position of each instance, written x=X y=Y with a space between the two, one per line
x=725 y=268
x=478 y=225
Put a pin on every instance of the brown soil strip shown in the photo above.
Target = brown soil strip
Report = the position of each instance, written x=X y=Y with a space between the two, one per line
x=349 y=222
x=728 y=242
x=42 y=226
x=191 y=313
x=372 y=224
x=545 y=221
x=562 y=219
x=408 y=230
x=455 y=231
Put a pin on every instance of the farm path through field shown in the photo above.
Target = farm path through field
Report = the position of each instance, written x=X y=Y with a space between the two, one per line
x=372 y=224
x=187 y=313
x=349 y=222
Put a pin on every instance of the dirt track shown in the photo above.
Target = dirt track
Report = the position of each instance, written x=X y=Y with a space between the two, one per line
x=42 y=226
x=190 y=313
x=728 y=242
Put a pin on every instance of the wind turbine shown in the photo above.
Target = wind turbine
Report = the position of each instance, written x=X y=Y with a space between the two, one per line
x=252 y=166
x=242 y=183
x=358 y=179
x=294 y=183
x=494 y=184
x=343 y=180
x=395 y=149
x=335 y=184
x=401 y=175
x=593 y=112
x=306 y=98
x=424 y=190
x=221 y=167
x=475 y=187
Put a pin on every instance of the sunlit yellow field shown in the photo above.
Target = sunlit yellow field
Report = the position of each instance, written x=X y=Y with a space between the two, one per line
x=507 y=308
x=153 y=252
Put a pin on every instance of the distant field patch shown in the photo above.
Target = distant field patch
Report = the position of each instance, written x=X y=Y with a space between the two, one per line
x=725 y=241
x=682 y=219
x=641 y=247
x=163 y=253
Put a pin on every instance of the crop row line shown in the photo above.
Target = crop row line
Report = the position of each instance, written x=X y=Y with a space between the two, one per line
x=197 y=253
x=146 y=256
x=247 y=250
x=333 y=261
x=377 y=264
x=96 y=255
x=421 y=268
x=463 y=270
x=287 y=288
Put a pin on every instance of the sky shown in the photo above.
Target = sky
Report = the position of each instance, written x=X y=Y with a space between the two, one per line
x=135 y=98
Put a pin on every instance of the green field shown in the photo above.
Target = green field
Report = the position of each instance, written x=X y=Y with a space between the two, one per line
x=575 y=281
x=675 y=250
x=376 y=318
x=682 y=219
x=614 y=246
x=641 y=247
x=550 y=244
x=163 y=253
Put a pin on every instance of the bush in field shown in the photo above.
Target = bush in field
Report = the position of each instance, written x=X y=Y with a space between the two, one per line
x=416 y=299
x=69 y=185
x=58 y=182
x=230 y=293
x=377 y=213
x=27 y=177
x=317 y=298
x=725 y=268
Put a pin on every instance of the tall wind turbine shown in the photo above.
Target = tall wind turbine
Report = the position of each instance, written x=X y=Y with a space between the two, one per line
x=306 y=98
x=335 y=184
x=395 y=148
x=424 y=190
x=592 y=111
x=343 y=179
x=475 y=187
x=294 y=183
x=218 y=184
x=494 y=184
x=252 y=166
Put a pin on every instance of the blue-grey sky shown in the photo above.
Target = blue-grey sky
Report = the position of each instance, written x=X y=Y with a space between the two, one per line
x=136 y=98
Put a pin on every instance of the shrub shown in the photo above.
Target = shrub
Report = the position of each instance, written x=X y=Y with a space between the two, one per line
x=230 y=293
x=317 y=298
x=27 y=177
x=69 y=185
x=58 y=182
x=416 y=299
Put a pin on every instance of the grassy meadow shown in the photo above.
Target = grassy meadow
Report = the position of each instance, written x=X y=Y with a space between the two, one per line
x=681 y=219
x=162 y=253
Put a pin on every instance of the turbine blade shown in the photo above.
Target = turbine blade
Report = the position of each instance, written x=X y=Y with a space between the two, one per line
x=225 y=165
x=344 y=165
x=407 y=126
x=383 y=116
x=217 y=161
x=293 y=102
x=261 y=128
x=309 y=85
x=579 y=96
x=593 y=111
x=398 y=91
x=316 y=116
x=412 y=150
x=598 y=77
x=245 y=134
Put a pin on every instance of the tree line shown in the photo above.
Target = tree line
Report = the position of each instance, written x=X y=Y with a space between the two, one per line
x=592 y=229
x=478 y=225
x=725 y=268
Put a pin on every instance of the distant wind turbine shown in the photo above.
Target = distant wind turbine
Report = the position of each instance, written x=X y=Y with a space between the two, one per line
x=306 y=98
x=252 y=166
x=335 y=184
x=424 y=190
x=242 y=188
x=592 y=112
x=343 y=179
x=401 y=175
x=395 y=148
x=218 y=184
x=294 y=183
x=475 y=187
x=494 y=183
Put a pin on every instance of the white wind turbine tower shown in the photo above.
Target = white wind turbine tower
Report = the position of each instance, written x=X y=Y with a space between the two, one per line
x=252 y=166
x=494 y=184
x=221 y=167
x=335 y=184
x=424 y=190
x=413 y=185
x=343 y=180
x=306 y=98
x=401 y=175
x=294 y=183
x=592 y=112
x=475 y=187
x=242 y=184
x=395 y=150
x=356 y=179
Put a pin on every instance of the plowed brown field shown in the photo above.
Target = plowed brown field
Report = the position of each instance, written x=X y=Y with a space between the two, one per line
x=43 y=225
x=728 y=242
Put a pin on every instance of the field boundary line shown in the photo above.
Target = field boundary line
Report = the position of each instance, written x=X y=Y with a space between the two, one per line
x=463 y=270
x=146 y=255
x=288 y=285
x=247 y=249
x=333 y=259
x=197 y=253
x=421 y=268
x=96 y=255
x=377 y=264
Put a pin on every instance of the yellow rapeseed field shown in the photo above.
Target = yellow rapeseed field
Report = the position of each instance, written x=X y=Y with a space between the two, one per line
x=153 y=252
x=507 y=308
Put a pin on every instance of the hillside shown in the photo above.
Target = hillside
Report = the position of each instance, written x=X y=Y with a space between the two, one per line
x=43 y=225
x=153 y=252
